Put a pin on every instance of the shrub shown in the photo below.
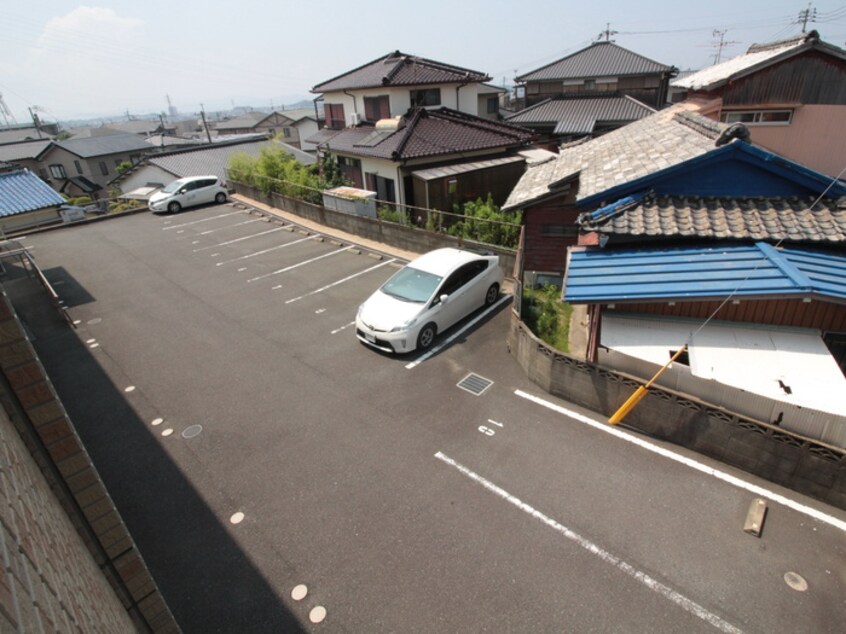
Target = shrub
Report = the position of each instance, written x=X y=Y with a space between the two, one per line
x=485 y=222
x=547 y=315
x=277 y=171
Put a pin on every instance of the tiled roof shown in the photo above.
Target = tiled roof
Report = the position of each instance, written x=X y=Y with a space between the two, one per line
x=580 y=115
x=758 y=56
x=400 y=69
x=656 y=142
x=104 y=145
x=215 y=159
x=22 y=133
x=26 y=150
x=600 y=59
x=596 y=275
x=791 y=219
x=22 y=191
x=428 y=133
x=137 y=126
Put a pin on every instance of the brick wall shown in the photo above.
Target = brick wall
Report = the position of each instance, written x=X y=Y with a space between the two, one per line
x=67 y=561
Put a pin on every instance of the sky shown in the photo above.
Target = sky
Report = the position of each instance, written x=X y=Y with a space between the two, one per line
x=107 y=59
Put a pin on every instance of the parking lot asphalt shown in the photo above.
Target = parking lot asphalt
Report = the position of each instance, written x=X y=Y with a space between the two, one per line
x=253 y=445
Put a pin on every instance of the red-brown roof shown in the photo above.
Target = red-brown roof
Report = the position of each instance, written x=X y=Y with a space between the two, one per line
x=430 y=133
x=400 y=69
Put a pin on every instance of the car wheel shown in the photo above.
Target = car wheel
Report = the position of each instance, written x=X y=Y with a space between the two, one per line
x=174 y=207
x=220 y=198
x=492 y=295
x=426 y=336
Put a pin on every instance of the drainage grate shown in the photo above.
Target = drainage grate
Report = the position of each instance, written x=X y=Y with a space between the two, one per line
x=475 y=384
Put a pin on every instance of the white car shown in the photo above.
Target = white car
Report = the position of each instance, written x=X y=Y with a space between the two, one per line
x=187 y=192
x=426 y=297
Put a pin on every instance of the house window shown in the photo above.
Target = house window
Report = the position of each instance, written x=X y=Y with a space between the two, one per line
x=376 y=108
x=78 y=167
x=758 y=117
x=286 y=132
x=58 y=171
x=452 y=186
x=426 y=97
x=351 y=170
x=384 y=188
x=43 y=174
x=493 y=105
x=104 y=169
x=335 y=116
x=590 y=84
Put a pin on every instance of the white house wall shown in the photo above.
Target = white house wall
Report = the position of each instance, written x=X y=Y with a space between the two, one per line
x=146 y=176
x=306 y=128
x=400 y=98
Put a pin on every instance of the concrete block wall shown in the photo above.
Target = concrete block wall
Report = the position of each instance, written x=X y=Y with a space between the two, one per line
x=67 y=561
x=796 y=462
x=412 y=239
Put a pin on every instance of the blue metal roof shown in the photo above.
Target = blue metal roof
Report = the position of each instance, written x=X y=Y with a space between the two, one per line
x=598 y=276
x=22 y=191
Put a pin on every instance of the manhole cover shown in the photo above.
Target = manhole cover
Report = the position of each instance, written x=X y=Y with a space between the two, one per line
x=795 y=581
x=475 y=384
x=191 y=431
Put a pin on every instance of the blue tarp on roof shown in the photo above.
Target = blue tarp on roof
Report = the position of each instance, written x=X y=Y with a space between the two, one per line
x=22 y=191
x=596 y=275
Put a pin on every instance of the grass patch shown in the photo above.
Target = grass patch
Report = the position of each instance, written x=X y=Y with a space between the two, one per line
x=547 y=316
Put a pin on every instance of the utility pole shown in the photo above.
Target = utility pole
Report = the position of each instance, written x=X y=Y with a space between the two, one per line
x=205 y=124
x=33 y=113
x=161 y=119
x=808 y=15
x=607 y=33
x=721 y=44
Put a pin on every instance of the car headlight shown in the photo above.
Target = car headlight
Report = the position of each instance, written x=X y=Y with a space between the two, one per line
x=404 y=326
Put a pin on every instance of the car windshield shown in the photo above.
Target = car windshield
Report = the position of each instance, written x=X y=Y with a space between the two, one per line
x=174 y=186
x=411 y=285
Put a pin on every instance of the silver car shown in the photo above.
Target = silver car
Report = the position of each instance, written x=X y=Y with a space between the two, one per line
x=187 y=192
x=426 y=297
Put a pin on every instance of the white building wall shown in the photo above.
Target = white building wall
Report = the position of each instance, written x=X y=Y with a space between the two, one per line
x=146 y=176
x=466 y=99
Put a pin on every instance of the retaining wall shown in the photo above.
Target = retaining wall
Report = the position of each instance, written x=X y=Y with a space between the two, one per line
x=412 y=239
x=788 y=459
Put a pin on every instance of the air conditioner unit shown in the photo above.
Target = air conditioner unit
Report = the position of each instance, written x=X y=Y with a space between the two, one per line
x=355 y=118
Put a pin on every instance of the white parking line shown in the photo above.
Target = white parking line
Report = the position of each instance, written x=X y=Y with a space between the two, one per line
x=457 y=333
x=689 y=462
x=299 y=264
x=653 y=584
x=342 y=328
x=263 y=251
x=255 y=235
x=237 y=224
x=346 y=279
x=196 y=222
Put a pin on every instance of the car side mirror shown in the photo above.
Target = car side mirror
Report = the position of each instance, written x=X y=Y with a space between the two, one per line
x=443 y=298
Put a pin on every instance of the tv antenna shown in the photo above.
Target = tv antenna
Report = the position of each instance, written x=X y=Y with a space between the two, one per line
x=607 y=33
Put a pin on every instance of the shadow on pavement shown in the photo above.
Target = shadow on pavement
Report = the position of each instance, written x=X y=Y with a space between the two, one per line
x=207 y=580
